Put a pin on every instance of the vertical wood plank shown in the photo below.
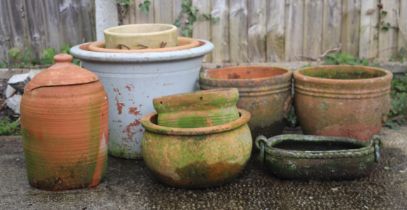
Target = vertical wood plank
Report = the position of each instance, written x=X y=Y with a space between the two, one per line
x=54 y=25
x=238 y=31
x=220 y=31
x=176 y=9
x=275 y=31
x=140 y=16
x=402 y=24
x=163 y=11
x=350 y=26
x=5 y=35
x=368 y=44
x=70 y=19
x=294 y=29
x=202 y=29
x=36 y=17
x=257 y=30
x=388 y=38
x=87 y=19
x=18 y=24
x=331 y=25
x=313 y=28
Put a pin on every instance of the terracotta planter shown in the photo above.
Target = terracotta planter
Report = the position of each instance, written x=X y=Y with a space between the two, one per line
x=264 y=91
x=141 y=36
x=350 y=101
x=183 y=43
x=196 y=157
x=64 y=120
x=197 y=109
x=317 y=157
x=132 y=80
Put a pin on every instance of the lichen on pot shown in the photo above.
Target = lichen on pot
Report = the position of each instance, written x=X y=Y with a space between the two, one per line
x=132 y=80
x=350 y=101
x=265 y=92
x=196 y=157
x=294 y=156
x=197 y=109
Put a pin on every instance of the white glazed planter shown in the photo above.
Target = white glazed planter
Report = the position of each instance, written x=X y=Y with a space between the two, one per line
x=132 y=80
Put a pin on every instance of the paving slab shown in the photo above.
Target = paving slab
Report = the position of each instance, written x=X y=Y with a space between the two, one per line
x=128 y=185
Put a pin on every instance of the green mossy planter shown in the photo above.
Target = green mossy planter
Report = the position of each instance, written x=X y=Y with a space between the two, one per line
x=196 y=157
x=198 y=109
x=317 y=157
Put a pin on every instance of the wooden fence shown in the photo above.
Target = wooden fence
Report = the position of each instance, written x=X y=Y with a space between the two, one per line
x=38 y=24
x=287 y=30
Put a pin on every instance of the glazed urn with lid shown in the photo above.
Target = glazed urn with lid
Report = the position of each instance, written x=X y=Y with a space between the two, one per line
x=64 y=121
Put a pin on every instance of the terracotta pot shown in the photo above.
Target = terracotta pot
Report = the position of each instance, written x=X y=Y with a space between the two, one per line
x=140 y=36
x=197 y=109
x=264 y=91
x=196 y=157
x=64 y=120
x=317 y=157
x=350 y=101
x=132 y=80
x=183 y=43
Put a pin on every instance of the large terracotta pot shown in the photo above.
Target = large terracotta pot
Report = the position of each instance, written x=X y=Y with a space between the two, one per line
x=132 y=80
x=183 y=43
x=264 y=91
x=141 y=36
x=197 y=109
x=196 y=157
x=64 y=120
x=350 y=101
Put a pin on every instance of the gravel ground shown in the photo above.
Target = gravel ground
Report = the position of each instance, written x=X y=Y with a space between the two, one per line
x=129 y=186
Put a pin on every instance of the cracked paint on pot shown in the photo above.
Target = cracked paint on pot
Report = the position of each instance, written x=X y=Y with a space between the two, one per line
x=132 y=80
x=349 y=101
x=64 y=120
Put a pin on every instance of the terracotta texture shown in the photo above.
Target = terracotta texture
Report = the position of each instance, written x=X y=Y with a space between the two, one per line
x=293 y=156
x=64 y=120
x=197 y=109
x=349 y=101
x=196 y=157
x=182 y=44
x=141 y=36
x=264 y=91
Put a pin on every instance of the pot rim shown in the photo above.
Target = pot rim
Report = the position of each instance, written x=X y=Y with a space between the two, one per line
x=148 y=57
x=298 y=75
x=99 y=46
x=147 y=123
x=170 y=29
x=181 y=100
x=204 y=74
x=366 y=148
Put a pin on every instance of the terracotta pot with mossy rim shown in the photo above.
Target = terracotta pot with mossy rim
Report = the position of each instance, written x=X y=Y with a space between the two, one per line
x=349 y=101
x=196 y=157
x=183 y=44
x=141 y=36
x=64 y=122
x=264 y=91
x=197 y=109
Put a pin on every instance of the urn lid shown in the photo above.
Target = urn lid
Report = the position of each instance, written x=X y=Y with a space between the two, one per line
x=63 y=72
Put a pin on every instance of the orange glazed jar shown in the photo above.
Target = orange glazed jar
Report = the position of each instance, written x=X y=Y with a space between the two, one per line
x=64 y=120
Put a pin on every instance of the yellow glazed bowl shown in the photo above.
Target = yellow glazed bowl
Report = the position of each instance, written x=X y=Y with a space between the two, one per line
x=141 y=36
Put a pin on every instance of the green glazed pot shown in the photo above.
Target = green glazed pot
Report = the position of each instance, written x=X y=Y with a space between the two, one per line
x=293 y=156
x=197 y=109
x=196 y=157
